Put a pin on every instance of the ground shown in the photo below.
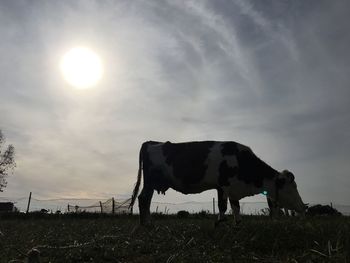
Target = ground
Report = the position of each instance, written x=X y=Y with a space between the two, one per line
x=95 y=238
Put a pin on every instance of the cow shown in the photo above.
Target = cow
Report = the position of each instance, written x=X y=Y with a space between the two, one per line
x=227 y=166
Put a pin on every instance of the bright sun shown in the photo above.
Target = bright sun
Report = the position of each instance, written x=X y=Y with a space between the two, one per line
x=81 y=67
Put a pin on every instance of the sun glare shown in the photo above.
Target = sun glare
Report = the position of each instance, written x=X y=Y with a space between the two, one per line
x=81 y=67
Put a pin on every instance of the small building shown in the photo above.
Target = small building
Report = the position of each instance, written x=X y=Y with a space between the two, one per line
x=7 y=207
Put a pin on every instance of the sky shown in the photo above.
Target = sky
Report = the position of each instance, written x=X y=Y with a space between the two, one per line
x=273 y=75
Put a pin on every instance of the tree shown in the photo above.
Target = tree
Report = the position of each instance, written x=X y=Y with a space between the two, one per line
x=7 y=161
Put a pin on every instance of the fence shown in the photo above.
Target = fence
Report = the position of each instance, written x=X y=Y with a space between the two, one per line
x=121 y=206
x=65 y=205
x=111 y=206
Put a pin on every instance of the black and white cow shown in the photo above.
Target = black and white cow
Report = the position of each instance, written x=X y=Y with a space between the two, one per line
x=193 y=167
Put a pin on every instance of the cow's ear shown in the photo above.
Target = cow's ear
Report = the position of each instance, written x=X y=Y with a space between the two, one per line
x=280 y=182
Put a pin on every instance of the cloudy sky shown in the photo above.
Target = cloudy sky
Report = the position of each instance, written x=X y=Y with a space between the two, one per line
x=273 y=75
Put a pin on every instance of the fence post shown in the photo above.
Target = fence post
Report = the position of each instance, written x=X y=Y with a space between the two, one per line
x=101 y=207
x=214 y=206
x=113 y=206
x=30 y=198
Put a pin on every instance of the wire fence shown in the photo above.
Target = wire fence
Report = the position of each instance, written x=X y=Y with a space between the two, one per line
x=111 y=206
x=66 y=205
x=120 y=205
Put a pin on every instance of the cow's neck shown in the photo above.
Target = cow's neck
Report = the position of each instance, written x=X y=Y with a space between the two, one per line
x=271 y=188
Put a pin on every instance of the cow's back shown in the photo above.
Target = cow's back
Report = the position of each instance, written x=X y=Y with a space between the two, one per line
x=191 y=167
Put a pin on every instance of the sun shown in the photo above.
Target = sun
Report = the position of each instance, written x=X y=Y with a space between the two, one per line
x=81 y=67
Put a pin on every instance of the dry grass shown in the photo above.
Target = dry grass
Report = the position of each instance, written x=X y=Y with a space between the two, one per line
x=193 y=239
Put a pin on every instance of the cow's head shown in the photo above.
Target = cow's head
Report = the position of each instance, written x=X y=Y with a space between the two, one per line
x=288 y=195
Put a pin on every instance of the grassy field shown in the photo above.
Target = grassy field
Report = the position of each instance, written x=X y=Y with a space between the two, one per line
x=171 y=239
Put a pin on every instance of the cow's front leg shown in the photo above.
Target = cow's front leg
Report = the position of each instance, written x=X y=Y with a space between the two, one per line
x=236 y=210
x=273 y=207
x=144 y=205
x=222 y=203
x=286 y=212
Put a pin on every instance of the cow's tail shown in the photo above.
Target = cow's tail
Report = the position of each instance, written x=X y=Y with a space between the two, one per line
x=138 y=182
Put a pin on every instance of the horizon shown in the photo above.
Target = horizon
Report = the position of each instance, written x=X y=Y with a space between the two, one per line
x=247 y=206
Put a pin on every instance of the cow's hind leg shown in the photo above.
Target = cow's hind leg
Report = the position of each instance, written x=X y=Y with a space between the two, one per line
x=222 y=203
x=144 y=205
x=236 y=210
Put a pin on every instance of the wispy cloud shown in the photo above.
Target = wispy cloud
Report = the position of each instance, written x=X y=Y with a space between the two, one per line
x=272 y=75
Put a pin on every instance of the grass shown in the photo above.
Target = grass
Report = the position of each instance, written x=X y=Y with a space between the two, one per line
x=195 y=239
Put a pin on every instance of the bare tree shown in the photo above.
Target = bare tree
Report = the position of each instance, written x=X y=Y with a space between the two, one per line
x=7 y=161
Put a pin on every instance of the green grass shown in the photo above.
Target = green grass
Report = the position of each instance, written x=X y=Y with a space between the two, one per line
x=194 y=239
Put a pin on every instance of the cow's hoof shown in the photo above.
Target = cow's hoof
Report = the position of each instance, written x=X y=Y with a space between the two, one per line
x=220 y=221
x=141 y=228
x=238 y=222
x=147 y=224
